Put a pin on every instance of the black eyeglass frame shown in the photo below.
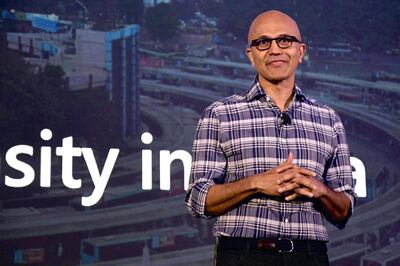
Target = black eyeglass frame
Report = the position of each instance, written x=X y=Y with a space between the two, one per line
x=290 y=38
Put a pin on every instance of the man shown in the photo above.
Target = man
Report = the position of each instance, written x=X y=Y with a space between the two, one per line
x=270 y=162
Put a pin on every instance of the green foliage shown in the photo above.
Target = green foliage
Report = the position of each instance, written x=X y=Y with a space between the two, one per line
x=211 y=8
x=184 y=10
x=94 y=119
x=29 y=101
x=132 y=9
x=371 y=25
x=32 y=99
x=161 y=22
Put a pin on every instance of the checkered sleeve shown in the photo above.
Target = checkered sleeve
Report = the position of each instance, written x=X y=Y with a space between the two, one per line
x=339 y=174
x=209 y=163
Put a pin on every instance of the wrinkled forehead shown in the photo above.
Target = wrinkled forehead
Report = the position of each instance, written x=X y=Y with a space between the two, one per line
x=273 y=24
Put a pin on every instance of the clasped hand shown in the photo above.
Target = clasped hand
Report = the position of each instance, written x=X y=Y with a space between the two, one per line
x=290 y=181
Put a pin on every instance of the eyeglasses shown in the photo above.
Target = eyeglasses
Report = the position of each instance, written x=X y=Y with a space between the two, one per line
x=283 y=42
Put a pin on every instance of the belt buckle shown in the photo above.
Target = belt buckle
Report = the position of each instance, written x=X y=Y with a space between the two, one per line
x=285 y=245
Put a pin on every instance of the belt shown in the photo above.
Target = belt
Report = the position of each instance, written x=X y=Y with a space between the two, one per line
x=272 y=244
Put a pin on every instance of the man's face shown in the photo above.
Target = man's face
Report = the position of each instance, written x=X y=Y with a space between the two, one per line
x=275 y=64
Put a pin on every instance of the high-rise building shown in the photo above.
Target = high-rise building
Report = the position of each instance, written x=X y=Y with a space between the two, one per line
x=116 y=52
x=122 y=66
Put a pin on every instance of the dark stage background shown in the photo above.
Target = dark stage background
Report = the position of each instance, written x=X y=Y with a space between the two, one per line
x=104 y=72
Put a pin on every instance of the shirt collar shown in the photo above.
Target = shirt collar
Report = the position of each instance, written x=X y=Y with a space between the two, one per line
x=256 y=92
x=298 y=94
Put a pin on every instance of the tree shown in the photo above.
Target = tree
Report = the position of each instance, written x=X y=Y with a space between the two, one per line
x=373 y=26
x=212 y=8
x=161 y=22
x=93 y=118
x=32 y=99
x=29 y=100
x=184 y=10
x=132 y=10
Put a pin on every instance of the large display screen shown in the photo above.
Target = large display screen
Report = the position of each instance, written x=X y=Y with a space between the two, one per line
x=99 y=103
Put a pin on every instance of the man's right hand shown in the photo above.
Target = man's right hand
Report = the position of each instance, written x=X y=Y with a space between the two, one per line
x=269 y=182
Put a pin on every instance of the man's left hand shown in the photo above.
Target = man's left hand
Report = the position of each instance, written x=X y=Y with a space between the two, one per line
x=294 y=188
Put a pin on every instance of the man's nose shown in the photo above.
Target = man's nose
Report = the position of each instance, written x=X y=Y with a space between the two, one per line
x=275 y=49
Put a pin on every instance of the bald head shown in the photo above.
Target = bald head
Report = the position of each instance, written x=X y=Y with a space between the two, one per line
x=273 y=22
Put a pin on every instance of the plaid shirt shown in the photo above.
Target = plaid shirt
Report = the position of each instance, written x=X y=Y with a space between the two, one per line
x=241 y=135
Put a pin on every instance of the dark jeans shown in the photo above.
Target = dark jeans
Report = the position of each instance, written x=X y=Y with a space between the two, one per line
x=261 y=257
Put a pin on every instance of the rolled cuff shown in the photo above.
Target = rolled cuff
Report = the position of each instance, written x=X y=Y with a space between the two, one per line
x=196 y=198
x=350 y=194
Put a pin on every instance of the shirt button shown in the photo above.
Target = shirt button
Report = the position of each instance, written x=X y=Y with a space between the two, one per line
x=286 y=220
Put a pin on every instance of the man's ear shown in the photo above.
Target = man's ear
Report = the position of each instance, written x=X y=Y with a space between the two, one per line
x=302 y=52
x=250 y=55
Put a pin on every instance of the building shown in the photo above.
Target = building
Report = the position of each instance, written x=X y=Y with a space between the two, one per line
x=90 y=59
x=117 y=53
x=122 y=65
